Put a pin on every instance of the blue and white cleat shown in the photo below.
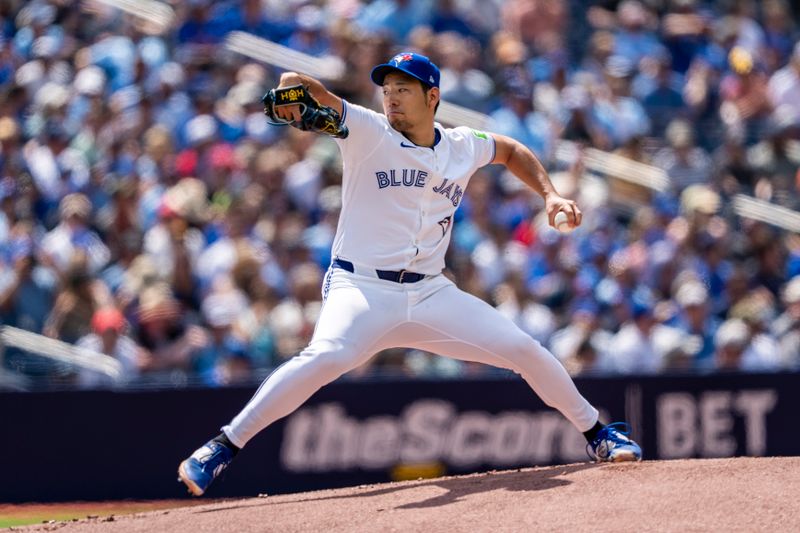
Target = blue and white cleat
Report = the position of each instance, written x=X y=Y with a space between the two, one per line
x=612 y=445
x=205 y=464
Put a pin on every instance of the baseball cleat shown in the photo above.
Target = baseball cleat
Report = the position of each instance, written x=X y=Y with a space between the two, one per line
x=205 y=464
x=612 y=445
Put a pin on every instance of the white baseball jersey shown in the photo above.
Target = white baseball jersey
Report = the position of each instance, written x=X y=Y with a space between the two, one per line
x=398 y=198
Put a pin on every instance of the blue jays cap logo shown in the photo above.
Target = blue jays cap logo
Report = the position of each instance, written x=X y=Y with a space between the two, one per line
x=399 y=58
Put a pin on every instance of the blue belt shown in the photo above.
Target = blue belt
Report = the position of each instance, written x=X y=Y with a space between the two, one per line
x=398 y=276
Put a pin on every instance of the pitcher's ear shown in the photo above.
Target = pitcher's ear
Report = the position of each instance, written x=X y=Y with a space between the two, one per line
x=434 y=94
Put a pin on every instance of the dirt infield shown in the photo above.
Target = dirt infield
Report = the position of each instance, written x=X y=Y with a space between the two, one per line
x=742 y=494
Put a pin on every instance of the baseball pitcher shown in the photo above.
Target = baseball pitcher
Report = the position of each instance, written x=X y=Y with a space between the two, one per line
x=404 y=177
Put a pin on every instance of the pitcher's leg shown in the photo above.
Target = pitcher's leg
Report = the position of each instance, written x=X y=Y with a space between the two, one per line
x=348 y=332
x=291 y=384
x=347 y=335
x=478 y=332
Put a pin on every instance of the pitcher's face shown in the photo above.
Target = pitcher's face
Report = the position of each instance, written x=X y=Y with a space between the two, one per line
x=405 y=103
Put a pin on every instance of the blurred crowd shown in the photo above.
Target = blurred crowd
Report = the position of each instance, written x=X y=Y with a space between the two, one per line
x=148 y=210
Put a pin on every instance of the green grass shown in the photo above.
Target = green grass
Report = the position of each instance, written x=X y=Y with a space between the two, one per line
x=26 y=520
x=28 y=514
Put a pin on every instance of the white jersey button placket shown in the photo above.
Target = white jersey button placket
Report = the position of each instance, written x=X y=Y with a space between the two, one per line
x=425 y=204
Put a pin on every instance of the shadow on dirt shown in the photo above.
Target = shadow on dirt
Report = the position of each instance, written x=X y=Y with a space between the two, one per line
x=456 y=488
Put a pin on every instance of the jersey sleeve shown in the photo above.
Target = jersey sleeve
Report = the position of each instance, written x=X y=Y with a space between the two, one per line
x=366 y=129
x=479 y=143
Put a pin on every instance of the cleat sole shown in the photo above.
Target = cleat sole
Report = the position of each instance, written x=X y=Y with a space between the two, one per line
x=191 y=485
x=625 y=458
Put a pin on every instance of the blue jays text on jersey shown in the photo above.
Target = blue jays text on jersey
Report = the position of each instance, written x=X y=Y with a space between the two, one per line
x=413 y=177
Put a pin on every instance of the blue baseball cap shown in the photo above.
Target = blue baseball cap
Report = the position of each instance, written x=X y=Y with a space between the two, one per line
x=415 y=65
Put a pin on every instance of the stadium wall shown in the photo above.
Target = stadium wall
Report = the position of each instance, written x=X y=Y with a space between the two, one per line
x=102 y=445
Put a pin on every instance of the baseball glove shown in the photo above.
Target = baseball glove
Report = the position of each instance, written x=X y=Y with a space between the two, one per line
x=314 y=116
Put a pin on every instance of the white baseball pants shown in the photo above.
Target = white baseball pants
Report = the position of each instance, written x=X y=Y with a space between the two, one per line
x=363 y=315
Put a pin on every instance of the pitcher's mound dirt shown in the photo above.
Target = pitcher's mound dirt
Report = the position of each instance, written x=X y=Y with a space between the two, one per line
x=742 y=494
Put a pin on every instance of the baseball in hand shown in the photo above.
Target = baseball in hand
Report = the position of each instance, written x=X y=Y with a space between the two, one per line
x=561 y=222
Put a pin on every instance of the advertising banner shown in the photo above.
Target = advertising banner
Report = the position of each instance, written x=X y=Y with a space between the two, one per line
x=113 y=445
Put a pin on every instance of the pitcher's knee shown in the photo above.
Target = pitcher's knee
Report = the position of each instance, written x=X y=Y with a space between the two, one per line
x=524 y=347
x=330 y=358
